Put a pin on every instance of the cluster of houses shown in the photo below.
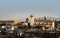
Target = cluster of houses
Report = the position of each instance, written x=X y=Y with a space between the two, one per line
x=41 y=22
x=31 y=21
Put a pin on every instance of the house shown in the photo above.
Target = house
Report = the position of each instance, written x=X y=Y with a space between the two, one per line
x=45 y=23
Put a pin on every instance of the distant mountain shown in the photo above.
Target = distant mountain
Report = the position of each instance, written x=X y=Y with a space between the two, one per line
x=51 y=18
x=58 y=19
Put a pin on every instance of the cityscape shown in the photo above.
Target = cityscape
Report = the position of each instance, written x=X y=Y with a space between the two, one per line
x=30 y=28
x=29 y=18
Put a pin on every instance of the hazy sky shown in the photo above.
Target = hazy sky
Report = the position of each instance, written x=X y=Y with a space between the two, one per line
x=20 y=9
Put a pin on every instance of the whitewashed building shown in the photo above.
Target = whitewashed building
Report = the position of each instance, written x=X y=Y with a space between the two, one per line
x=31 y=20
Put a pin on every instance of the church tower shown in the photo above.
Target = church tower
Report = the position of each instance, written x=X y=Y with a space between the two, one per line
x=31 y=20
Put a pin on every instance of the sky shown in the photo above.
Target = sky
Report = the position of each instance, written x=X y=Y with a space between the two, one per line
x=21 y=9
